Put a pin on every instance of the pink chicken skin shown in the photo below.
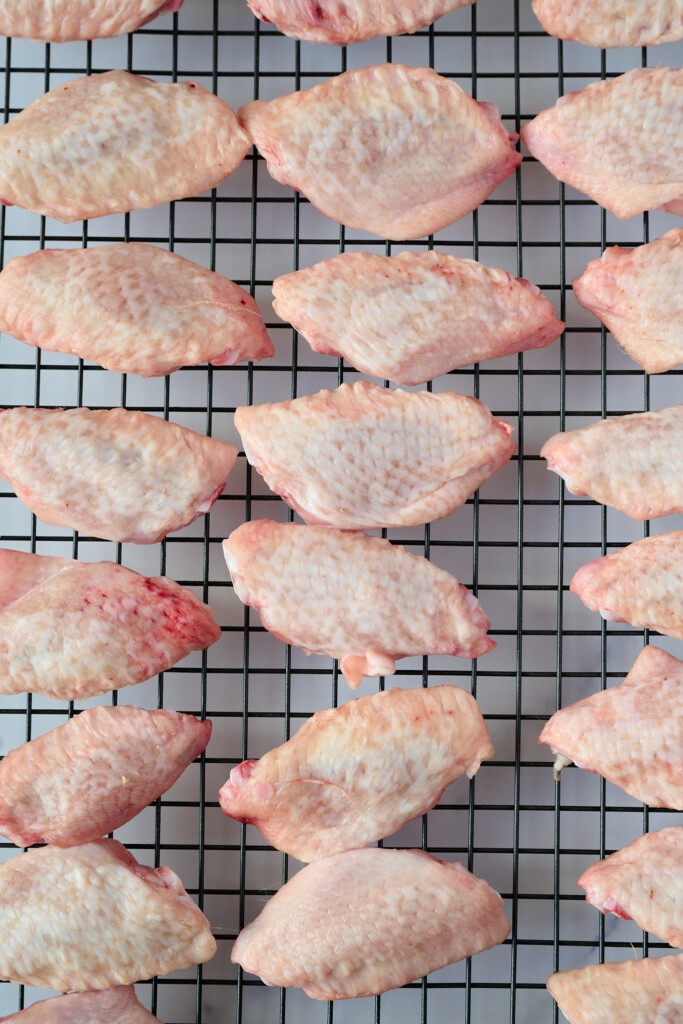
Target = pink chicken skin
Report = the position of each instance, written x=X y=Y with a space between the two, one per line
x=103 y=919
x=411 y=317
x=90 y=776
x=641 y=584
x=73 y=630
x=108 y=1006
x=643 y=882
x=401 y=152
x=365 y=457
x=357 y=773
x=112 y=473
x=61 y=21
x=634 y=992
x=607 y=23
x=132 y=308
x=361 y=923
x=352 y=597
x=631 y=734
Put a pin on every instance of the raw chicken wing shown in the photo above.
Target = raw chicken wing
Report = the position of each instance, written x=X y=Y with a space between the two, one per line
x=90 y=776
x=634 y=992
x=112 y=473
x=631 y=734
x=398 y=151
x=633 y=463
x=638 y=295
x=360 y=923
x=607 y=23
x=643 y=882
x=60 y=21
x=641 y=584
x=108 y=1006
x=412 y=317
x=365 y=457
x=353 y=597
x=357 y=773
x=131 y=308
x=114 y=142
x=617 y=140
x=351 y=21
x=92 y=917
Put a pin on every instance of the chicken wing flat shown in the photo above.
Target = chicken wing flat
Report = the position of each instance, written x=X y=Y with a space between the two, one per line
x=61 y=21
x=608 y=23
x=638 y=992
x=108 y=1006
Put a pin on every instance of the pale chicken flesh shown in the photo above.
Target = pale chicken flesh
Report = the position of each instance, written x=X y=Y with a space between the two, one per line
x=91 y=775
x=115 y=142
x=611 y=23
x=60 y=21
x=643 y=882
x=113 y=473
x=638 y=295
x=633 y=463
x=132 y=308
x=103 y=919
x=398 y=151
x=352 y=597
x=619 y=141
x=631 y=734
x=634 y=992
x=412 y=317
x=72 y=630
x=362 y=922
x=641 y=584
x=365 y=457
x=359 y=772
x=108 y=1006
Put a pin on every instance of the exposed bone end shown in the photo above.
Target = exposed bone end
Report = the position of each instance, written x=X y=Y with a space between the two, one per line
x=561 y=762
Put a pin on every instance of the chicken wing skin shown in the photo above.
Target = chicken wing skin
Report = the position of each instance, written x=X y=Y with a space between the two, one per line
x=60 y=21
x=115 y=142
x=638 y=296
x=132 y=308
x=342 y=22
x=612 y=23
x=633 y=463
x=359 y=772
x=643 y=882
x=112 y=473
x=641 y=584
x=398 y=151
x=364 y=457
x=78 y=782
x=631 y=734
x=353 y=597
x=72 y=630
x=360 y=923
x=410 y=318
x=108 y=1006
x=103 y=919
x=619 y=141
x=637 y=992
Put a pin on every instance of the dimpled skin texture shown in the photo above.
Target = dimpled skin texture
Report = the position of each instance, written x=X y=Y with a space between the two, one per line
x=112 y=473
x=114 y=142
x=638 y=295
x=131 y=308
x=412 y=317
x=351 y=21
x=353 y=597
x=398 y=151
x=103 y=919
x=643 y=882
x=633 y=463
x=362 y=922
x=91 y=775
x=619 y=141
x=641 y=584
x=72 y=630
x=634 y=992
x=108 y=1006
x=631 y=734
x=611 y=23
x=357 y=773
x=364 y=457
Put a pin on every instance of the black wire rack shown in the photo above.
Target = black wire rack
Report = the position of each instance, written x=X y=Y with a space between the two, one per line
x=516 y=544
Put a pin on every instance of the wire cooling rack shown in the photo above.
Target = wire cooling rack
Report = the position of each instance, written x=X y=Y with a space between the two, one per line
x=516 y=544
